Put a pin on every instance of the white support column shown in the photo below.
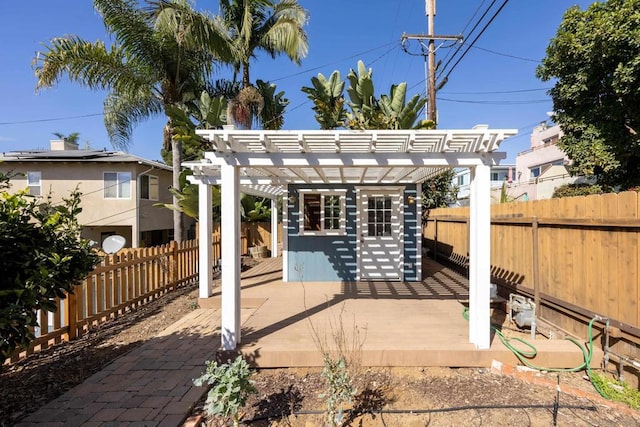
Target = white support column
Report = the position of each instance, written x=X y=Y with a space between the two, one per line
x=419 y=231
x=285 y=237
x=205 y=241
x=230 y=235
x=274 y=227
x=480 y=257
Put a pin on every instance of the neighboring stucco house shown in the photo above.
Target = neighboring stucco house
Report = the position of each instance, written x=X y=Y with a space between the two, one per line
x=118 y=189
x=499 y=175
x=543 y=167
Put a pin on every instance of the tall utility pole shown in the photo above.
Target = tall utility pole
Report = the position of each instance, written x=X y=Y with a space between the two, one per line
x=430 y=10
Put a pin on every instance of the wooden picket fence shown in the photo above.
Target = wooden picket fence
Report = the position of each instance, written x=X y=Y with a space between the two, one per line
x=576 y=257
x=121 y=282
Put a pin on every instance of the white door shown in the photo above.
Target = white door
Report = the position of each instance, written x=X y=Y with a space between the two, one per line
x=380 y=232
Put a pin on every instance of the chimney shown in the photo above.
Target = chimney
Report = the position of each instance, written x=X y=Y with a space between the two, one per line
x=62 y=145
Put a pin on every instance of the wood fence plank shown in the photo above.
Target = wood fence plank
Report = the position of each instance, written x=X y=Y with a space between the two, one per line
x=610 y=255
x=628 y=261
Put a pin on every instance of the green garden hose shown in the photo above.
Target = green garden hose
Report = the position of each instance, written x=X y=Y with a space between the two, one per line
x=524 y=355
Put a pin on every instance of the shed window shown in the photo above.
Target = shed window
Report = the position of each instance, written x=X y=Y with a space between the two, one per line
x=322 y=212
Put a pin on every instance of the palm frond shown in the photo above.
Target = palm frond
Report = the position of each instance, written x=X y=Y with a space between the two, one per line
x=193 y=30
x=89 y=64
x=131 y=26
x=123 y=110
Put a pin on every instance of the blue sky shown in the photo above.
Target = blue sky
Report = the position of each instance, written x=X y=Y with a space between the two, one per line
x=493 y=84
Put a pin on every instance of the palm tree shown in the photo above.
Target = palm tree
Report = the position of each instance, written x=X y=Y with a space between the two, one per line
x=260 y=25
x=72 y=137
x=161 y=58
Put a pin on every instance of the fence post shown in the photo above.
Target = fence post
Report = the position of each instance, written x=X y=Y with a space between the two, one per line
x=173 y=263
x=71 y=318
x=435 y=238
x=536 y=267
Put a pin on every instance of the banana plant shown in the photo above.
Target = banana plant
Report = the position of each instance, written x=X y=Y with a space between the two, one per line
x=389 y=111
x=328 y=98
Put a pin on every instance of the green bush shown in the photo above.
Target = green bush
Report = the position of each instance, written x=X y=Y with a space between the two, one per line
x=231 y=386
x=572 y=190
x=43 y=257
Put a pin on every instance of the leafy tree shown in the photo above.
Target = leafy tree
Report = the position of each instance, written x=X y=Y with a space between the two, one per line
x=595 y=60
x=161 y=58
x=260 y=25
x=439 y=191
x=43 y=258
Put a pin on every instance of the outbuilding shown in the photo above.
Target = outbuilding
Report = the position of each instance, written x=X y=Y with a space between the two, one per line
x=351 y=205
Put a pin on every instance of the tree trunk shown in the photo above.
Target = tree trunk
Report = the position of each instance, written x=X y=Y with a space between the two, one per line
x=176 y=154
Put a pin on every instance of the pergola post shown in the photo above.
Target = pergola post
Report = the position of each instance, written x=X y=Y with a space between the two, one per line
x=274 y=228
x=230 y=236
x=480 y=257
x=205 y=240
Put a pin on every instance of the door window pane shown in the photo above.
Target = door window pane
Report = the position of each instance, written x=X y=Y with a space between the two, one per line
x=379 y=216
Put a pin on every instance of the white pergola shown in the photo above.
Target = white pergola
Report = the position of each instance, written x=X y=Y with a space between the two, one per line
x=263 y=163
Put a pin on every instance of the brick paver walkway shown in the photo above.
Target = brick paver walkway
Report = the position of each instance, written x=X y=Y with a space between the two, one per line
x=150 y=386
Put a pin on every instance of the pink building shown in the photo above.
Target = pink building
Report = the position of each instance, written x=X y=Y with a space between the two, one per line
x=542 y=168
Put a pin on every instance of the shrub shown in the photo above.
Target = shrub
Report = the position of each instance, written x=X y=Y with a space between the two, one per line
x=43 y=258
x=572 y=190
x=231 y=387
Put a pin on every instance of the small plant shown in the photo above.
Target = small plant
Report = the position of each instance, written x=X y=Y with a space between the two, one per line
x=231 y=386
x=340 y=388
x=616 y=390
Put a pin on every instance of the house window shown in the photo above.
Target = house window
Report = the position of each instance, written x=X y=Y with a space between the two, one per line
x=535 y=172
x=322 y=212
x=379 y=216
x=34 y=183
x=149 y=187
x=117 y=185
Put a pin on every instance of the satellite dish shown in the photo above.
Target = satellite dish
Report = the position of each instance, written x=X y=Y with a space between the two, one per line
x=113 y=244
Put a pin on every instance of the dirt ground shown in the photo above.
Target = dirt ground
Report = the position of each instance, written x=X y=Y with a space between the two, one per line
x=386 y=397
x=430 y=396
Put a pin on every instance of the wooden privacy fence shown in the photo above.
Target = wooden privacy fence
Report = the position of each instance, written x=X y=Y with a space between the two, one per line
x=577 y=257
x=122 y=281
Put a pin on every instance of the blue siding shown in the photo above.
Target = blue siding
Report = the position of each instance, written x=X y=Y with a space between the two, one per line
x=333 y=258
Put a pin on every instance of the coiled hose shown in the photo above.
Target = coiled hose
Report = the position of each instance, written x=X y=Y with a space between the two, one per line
x=529 y=352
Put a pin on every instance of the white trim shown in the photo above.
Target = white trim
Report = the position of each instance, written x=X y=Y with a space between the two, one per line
x=274 y=228
x=418 y=231
x=230 y=236
x=205 y=249
x=360 y=218
x=480 y=257
x=285 y=238
x=338 y=160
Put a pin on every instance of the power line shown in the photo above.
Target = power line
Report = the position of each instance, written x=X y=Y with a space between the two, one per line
x=496 y=102
x=394 y=43
x=20 y=122
x=537 y=61
x=470 y=45
x=497 y=91
x=455 y=52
